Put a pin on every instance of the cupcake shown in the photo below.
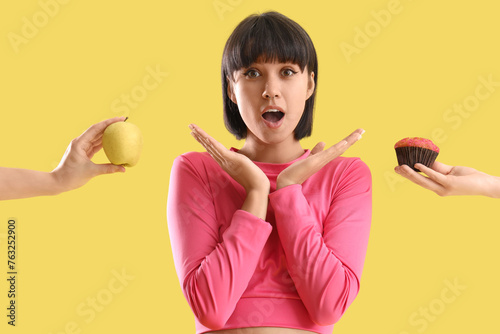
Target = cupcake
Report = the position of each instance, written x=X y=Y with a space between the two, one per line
x=414 y=150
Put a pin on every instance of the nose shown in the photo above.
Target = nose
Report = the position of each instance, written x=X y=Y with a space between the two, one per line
x=271 y=89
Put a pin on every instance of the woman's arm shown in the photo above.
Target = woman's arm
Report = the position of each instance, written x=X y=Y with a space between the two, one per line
x=74 y=170
x=213 y=269
x=326 y=265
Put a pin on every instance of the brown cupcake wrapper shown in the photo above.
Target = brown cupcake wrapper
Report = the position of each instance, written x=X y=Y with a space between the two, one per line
x=411 y=155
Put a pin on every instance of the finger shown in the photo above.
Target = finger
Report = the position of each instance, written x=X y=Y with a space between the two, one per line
x=217 y=151
x=100 y=169
x=425 y=182
x=318 y=148
x=432 y=174
x=94 y=150
x=342 y=146
x=199 y=131
x=198 y=139
x=97 y=138
x=89 y=146
x=320 y=158
x=206 y=137
x=441 y=168
x=92 y=147
x=97 y=129
x=96 y=141
x=354 y=136
x=208 y=147
x=203 y=141
x=209 y=140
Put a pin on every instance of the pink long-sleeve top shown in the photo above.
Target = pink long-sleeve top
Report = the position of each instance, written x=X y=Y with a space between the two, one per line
x=300 y=268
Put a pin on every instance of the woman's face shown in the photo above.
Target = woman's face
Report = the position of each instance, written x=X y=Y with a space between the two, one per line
x=271 y=99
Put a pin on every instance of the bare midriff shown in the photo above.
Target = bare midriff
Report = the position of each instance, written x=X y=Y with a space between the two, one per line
x=262 y=330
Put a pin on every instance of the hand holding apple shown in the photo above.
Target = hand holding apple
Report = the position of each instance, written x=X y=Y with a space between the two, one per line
x=76 y=167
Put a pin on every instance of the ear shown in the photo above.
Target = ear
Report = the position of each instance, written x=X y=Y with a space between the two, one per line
x=310 y=86
x=230 y=91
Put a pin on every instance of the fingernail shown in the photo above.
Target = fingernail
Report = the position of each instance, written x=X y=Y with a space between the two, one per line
x=359 y=137
x=191 y=126
x=362 y=131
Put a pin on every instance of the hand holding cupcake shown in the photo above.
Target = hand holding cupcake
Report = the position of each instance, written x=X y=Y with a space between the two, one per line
x=418 y=155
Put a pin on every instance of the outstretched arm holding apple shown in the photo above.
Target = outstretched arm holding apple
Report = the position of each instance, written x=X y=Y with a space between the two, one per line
x=74 y=170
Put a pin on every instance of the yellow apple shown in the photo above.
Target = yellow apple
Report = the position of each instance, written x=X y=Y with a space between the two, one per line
x=122 y=143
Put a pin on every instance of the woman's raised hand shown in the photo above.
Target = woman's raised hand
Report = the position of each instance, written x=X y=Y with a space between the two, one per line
x=447 y=180
x=301 y=170
x=241 y=169
x=238 y=166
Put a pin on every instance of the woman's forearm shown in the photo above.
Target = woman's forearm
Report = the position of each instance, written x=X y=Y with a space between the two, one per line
x=256 y=203
x=23 y=183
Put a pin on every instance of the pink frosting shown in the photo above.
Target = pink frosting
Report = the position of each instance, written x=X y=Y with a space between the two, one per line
x=417 y=142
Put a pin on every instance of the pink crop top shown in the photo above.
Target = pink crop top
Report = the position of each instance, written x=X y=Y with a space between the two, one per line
x=298 y=269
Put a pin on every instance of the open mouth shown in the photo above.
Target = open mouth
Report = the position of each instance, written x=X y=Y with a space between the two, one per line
x=273 y=115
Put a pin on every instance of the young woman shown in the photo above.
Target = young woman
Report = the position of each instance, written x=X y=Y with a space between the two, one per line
x=270 y=238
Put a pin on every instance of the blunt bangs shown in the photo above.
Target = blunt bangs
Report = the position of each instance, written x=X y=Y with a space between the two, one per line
x=267 y=38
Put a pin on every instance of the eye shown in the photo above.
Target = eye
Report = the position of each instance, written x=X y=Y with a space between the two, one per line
x=251 y=73
x=288 y=72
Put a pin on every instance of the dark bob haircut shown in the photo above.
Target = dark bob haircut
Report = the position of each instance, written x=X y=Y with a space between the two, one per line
x=269 y=37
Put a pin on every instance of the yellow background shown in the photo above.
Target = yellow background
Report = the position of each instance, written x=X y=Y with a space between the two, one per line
x=424 y=59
